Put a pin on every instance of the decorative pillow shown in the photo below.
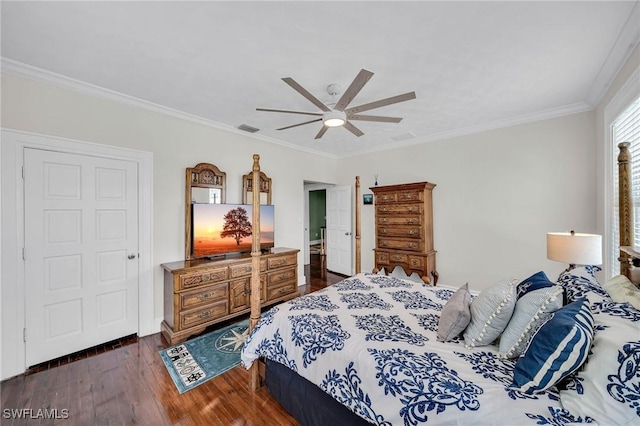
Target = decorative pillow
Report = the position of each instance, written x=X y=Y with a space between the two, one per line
x=559 y=347
x=607 y=389
x=531 y=311
x=580 y=281
x=455 y=315
x=490 y=313
x=621 y=290
x=534 y=282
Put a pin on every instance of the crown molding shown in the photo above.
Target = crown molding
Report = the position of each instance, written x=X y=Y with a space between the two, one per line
x=493 y=125
x=19 y=69
x=627 y=40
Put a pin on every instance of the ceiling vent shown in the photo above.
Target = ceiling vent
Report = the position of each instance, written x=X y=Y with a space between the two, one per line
x=248 y=128
x=403 y=137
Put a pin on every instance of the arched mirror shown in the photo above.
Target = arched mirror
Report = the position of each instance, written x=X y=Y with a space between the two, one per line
x=205 y=184
x=265 y=189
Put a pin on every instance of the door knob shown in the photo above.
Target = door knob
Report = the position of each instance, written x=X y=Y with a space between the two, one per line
x=131 y=256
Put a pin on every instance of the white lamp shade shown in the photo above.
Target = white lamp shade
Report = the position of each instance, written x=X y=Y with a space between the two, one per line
x=574 y=249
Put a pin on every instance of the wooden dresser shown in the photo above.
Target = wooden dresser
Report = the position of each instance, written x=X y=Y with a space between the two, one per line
x=198 y=293
x=404 y=229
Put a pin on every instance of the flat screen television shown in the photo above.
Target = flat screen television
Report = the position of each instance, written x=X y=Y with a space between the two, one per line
x=220 y=229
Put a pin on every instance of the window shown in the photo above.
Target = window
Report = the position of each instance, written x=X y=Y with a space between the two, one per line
x=626 y=128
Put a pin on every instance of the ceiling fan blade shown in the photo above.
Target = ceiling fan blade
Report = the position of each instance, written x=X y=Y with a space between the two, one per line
x=382 y=102
x=353 y=129
x=300 y=124
x=291 y=82
x=322 y=131
x=374 y=118
x=289 y=111
x=356 y=85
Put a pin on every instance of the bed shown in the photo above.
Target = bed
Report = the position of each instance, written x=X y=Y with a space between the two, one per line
x=378 y=349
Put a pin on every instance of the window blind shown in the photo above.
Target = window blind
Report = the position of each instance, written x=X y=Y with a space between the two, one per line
x=626 y=128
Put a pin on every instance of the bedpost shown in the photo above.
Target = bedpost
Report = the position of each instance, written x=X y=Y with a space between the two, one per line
x=625 y=207
x=254 y=374
x=358 y=246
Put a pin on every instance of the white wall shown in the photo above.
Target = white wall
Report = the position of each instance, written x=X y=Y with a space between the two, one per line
x=498 y=193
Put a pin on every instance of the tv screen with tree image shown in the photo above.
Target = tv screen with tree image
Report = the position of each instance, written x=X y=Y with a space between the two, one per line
x=220 y=229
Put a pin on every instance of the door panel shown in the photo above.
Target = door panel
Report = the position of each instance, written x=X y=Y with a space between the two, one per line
x=81 y=265
x=339 y=235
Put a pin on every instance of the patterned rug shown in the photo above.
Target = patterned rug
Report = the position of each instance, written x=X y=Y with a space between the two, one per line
x=197 y=360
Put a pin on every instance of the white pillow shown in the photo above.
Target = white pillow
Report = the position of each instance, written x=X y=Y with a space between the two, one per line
x=531 y=310
x=606 y=389
x=622 y=290
x=490 y=313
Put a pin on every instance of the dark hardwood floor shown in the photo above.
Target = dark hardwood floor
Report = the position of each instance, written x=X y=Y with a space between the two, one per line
x=126 y=383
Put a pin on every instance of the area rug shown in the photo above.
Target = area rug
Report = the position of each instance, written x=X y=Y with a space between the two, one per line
x=197 y=360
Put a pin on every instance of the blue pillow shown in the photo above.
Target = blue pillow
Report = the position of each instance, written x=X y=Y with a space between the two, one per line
x=534 y=282
x=559 y=347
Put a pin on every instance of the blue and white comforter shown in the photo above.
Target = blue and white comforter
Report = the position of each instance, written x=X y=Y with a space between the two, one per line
x=370 y=342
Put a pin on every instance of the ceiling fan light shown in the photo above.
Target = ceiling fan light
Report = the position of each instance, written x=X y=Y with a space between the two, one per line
x=334 y=118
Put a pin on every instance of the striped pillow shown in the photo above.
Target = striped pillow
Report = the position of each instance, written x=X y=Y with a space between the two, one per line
x=559 y=347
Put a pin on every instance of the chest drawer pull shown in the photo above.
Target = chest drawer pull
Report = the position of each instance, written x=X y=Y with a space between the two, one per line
x=205 y=314
x=204 y=296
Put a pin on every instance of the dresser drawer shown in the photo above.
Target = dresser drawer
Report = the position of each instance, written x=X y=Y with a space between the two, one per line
x=203 y=315
x=201 y=277
x=382 y=258
x=405 y=196
x=245 y=269
x=195 y=298
x=400 y=231
x=400 y=209
x=416 y=262
x=281 y=261
x=275 y=279
x=411 y=245
x=274 y=293
x=400 y=220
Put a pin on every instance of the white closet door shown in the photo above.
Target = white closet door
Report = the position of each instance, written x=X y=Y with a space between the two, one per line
x=339 y=235
x=81 y=252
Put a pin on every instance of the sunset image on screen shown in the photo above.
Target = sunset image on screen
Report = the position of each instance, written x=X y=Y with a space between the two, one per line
x=227 y=228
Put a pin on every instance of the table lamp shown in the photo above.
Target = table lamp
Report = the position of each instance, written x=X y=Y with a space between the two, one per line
x=574 y=248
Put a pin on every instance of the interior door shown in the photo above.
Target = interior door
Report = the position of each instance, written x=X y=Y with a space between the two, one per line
x=339 y=234
x=81 y=252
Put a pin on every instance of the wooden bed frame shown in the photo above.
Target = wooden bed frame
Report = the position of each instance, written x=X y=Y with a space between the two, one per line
x=254 y=372
x=629 y=255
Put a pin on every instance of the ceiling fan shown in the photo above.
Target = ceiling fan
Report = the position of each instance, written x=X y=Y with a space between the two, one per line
x=339 y=115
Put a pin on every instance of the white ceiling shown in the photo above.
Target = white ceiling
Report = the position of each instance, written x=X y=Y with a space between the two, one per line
x=473 y=65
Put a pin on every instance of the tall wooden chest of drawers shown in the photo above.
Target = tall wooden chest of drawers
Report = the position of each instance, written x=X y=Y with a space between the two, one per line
x=404 y=229
x=199 y=293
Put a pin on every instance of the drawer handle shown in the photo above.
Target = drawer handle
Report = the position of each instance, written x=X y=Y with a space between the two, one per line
x=247 y=269
x=204 y=296
x=413 y=245
x=384 y=230
x=283 y=276
x=412 y=209
x=385 y=220
x=412 y=220
x=206 y=277
x=412 y=232
x=205 y=314
x=282 y=290
x=384 y=209
x=384 y=244
x=280 y=262
x=414 y=263
x=397 y=257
